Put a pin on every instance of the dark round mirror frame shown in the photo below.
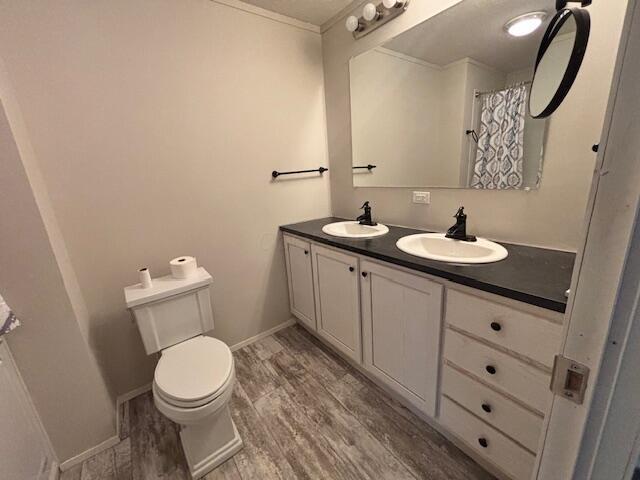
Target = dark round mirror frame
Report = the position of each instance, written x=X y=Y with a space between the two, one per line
x=583 y=28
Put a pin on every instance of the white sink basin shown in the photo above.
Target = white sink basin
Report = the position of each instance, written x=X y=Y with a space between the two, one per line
x=353 y=229
x=435 y=246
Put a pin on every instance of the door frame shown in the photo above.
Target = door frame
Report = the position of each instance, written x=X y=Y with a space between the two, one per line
x=579 y=439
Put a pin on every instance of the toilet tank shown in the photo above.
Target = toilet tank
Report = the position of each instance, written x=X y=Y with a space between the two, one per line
x=172 y=310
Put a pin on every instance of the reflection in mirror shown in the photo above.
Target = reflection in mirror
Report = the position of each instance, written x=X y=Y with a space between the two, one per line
x=552 y=67
x=559 y=59
x=445 y=106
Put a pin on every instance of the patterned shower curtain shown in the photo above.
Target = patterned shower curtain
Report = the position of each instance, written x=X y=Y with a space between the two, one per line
x=8 y=320
x=500 y=154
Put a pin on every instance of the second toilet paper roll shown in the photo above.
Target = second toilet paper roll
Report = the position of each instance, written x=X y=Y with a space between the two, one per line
x=183 y=267
x=145 y=278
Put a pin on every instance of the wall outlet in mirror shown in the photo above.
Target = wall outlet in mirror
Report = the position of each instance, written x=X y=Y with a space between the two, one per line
x=421 y=197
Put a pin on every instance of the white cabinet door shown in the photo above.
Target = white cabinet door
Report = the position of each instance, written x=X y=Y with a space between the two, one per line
x=401 y=325
x=300 y=278
x=338 y=300
x=24 y=452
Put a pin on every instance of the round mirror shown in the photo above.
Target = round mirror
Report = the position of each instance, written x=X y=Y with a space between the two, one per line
x=559 y=58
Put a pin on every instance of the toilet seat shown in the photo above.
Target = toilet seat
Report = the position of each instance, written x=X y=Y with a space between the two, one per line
x=194 y=373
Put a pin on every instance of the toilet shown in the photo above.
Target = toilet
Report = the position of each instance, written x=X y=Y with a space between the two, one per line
x=194 y=377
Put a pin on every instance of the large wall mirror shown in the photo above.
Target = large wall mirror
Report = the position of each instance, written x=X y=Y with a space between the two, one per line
x=445 y=104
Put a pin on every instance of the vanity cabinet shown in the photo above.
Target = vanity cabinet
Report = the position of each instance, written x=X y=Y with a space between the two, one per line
x=337 y=300
x=297 y=254
x=475 y=363
x=401 y=319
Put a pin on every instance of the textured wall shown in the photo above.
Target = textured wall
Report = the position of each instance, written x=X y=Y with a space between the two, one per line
x=57 y=366
x=156 y=125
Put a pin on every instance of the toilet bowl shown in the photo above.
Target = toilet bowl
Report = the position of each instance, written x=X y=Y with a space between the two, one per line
x=195 y=375
x=192 y=386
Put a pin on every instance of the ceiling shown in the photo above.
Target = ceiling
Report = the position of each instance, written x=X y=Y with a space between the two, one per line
x=475 y=29
x=316 y=12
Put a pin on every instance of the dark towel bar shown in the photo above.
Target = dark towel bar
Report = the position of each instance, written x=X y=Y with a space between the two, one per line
x=321 y=170
x=368 y=167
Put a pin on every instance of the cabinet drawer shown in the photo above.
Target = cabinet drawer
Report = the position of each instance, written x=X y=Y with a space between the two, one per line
x=492 y=407
x=521 y=332
x=521 y=380
x=500 y=450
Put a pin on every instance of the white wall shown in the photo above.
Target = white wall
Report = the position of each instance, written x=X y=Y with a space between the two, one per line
x=156 y=125
x=452 y=125
x=58 y=368
x=408 y=118
x=396 y=115
x=552 y=216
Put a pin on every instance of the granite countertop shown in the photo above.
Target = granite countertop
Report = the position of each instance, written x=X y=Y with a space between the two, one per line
x=537 y=276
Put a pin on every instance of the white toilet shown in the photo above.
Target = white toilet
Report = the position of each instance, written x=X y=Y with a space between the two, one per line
x=194 y=378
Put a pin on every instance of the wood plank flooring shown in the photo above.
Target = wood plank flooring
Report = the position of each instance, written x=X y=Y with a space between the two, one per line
x=303 y=413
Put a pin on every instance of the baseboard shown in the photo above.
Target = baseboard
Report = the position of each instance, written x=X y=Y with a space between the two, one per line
x=125 y=397
x=262 y=335
x=136 y=392
x=78 y=459
x=67 y=464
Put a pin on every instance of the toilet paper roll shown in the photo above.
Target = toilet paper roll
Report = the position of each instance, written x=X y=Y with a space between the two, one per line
x=183 y=267
x=145 y=278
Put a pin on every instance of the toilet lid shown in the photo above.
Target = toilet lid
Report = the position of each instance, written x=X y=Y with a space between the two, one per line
x=194 y=369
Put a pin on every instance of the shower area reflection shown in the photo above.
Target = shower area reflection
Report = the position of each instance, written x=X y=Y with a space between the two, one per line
x=505 y=144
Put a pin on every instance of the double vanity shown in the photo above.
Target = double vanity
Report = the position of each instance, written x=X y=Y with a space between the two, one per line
x=469 y=347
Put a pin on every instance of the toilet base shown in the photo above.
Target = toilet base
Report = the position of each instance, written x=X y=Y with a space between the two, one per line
x=209 y=444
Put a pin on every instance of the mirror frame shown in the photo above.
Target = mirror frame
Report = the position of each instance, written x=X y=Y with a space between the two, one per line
x=583 y=29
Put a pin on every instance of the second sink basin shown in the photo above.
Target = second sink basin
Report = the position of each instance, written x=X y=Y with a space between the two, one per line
x=435 y=246
x=353 y=229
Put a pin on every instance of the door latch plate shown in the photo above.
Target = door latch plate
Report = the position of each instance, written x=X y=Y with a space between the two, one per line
x=569 y=379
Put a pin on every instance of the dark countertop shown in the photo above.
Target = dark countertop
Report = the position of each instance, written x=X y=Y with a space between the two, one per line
x=537 y=276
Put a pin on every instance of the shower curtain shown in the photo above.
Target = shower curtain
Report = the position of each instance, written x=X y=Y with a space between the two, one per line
x=500 y=154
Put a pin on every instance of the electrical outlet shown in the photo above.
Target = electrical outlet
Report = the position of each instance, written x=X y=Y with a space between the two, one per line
x=422 y=197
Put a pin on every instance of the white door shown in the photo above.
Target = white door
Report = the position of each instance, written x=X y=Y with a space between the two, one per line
x=600 y=437
x=24 y=452
x=401 y=325
x=338 y=300
x=300 y=278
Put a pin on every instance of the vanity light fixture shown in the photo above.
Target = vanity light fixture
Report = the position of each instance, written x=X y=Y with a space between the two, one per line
x=370 y=12
x=526 y=24
x=353 y=24
x=392 y=3
x=375 y=15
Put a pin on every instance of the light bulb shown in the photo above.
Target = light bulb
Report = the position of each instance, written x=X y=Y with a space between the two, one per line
x=370 y=12
x=391 y=3
x=352 y=23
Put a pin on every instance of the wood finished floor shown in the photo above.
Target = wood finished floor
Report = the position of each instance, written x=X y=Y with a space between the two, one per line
x=303 y=413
